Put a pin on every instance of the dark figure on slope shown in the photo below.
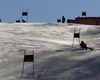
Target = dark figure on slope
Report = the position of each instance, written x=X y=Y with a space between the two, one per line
x=84 y=46
x=63 y=19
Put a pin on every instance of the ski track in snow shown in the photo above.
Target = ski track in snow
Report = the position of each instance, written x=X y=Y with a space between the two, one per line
x=55 y=59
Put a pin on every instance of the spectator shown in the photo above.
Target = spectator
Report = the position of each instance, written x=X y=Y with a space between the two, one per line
x=63 y=19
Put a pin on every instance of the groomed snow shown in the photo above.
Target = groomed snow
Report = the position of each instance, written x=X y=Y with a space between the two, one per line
x=55 y=59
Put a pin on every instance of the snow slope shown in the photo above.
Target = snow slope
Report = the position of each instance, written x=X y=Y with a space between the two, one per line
x=55 y=59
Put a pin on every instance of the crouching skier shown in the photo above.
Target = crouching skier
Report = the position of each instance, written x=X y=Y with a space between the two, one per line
x=84 y=46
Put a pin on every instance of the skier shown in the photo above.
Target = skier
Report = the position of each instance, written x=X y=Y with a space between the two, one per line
x=63 y=19
x=84 y=46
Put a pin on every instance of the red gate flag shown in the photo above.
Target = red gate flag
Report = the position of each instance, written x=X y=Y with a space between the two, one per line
x=76 y=35
x=28 y=58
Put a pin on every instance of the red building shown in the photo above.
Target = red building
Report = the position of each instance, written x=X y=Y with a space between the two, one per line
x=85 y=20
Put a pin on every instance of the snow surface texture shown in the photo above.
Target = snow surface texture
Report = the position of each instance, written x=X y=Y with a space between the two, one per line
x=55 y=59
